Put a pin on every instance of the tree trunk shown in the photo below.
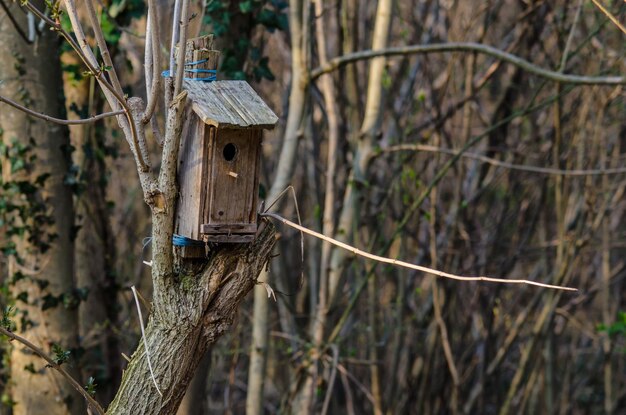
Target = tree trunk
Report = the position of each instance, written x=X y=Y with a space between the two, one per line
x=94 y=245
x=297 y=99
x=46 y=301
x=202 y=304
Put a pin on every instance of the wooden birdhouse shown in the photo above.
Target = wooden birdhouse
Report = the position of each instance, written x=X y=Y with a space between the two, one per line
x=218 y=168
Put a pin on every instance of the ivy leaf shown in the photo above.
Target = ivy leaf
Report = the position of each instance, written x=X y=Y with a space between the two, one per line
x=49 y=301
x=30 y=368
x=245 y=6
x=111 y=34
x=6 y=322
x=263 y=70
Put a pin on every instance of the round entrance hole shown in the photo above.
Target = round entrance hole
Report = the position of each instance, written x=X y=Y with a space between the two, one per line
x=230 y=151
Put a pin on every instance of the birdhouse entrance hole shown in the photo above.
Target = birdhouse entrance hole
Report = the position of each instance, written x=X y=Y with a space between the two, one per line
x=230 y=151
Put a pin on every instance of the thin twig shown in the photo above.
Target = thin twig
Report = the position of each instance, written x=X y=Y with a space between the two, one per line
x=338 y=62
x=504 y=164
x=145 y=342
x=51 y=363
x=295 y=203
x=608 y=14
x=102 y=46
x=59 y=120
x=386 y=260
x=331 y=380
x=88 y=58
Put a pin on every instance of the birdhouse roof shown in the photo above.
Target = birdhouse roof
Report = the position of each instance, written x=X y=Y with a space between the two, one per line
x=229 y=104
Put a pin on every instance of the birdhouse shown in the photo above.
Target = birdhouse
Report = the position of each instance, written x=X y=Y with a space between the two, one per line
x=219 y=158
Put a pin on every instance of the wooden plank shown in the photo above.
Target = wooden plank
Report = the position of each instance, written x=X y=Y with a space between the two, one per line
x=229 y=104
x=192 y=162
x=231 y=238
x=232 y=200
x=228 y=228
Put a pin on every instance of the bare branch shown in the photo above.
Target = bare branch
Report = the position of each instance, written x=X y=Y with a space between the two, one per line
x=88 y=58
x=173 y=129
x=90 y=400
x=182 y=46
x=102 y=45
x=58 y=120
x=504 y=164
x=338 y=62
x=152 y=62
x=385 y=260
x=608 y=14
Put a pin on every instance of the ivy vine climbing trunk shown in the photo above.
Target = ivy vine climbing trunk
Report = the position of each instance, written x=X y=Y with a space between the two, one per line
x=41 y=218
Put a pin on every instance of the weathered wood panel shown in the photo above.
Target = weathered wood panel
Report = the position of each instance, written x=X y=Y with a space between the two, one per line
x=229 y=104
x=192 y=173
x=228 y=228
x=234 y=177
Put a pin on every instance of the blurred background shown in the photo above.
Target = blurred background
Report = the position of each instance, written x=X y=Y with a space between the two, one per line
x=537 y=193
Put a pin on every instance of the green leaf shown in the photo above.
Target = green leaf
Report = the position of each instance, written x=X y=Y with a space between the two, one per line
x=49 y=301
x=245 y=6
x=111 y=34
x=60 y=355
x=90 y=387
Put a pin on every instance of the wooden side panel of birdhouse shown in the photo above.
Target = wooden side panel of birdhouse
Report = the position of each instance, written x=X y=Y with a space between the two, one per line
x=231 y=205
x=192 y=173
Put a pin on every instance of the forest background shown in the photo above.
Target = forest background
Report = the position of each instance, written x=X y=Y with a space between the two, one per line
x=505 y=161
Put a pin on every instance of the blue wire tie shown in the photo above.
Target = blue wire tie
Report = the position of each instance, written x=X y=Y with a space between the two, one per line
x=179 y=240
x=209 y=78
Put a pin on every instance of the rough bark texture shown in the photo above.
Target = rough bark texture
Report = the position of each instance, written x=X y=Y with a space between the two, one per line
x=204 y=305
x=32 y=76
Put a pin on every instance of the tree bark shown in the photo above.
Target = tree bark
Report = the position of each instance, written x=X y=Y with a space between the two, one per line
x=32 y=76
x=204 y=306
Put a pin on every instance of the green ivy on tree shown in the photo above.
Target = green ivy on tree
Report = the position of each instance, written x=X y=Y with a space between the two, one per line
x=243 y=57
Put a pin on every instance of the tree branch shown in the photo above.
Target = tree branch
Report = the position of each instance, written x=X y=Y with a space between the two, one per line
x=182 y=46
x=88 y=58
x=386 y=260
x=59 y=120
x=503 y=164
x=51 y=363
x=338 y=62
x=152 y=63
x=102 y=45
x=608 y=14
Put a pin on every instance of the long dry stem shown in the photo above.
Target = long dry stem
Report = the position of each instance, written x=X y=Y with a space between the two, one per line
x=385 y=260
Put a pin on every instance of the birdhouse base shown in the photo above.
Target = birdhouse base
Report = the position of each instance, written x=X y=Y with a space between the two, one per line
x=229 y=233
x=232 y=238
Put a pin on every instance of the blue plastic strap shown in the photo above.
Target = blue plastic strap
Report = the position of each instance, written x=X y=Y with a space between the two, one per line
x=196 y=62
x=179 y=240
x=211 y=77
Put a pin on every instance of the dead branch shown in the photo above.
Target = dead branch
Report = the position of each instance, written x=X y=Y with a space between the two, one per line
x=341 y=61
x=51 y=363
x=385 y=260
x=59 y=120
x=504 y=164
